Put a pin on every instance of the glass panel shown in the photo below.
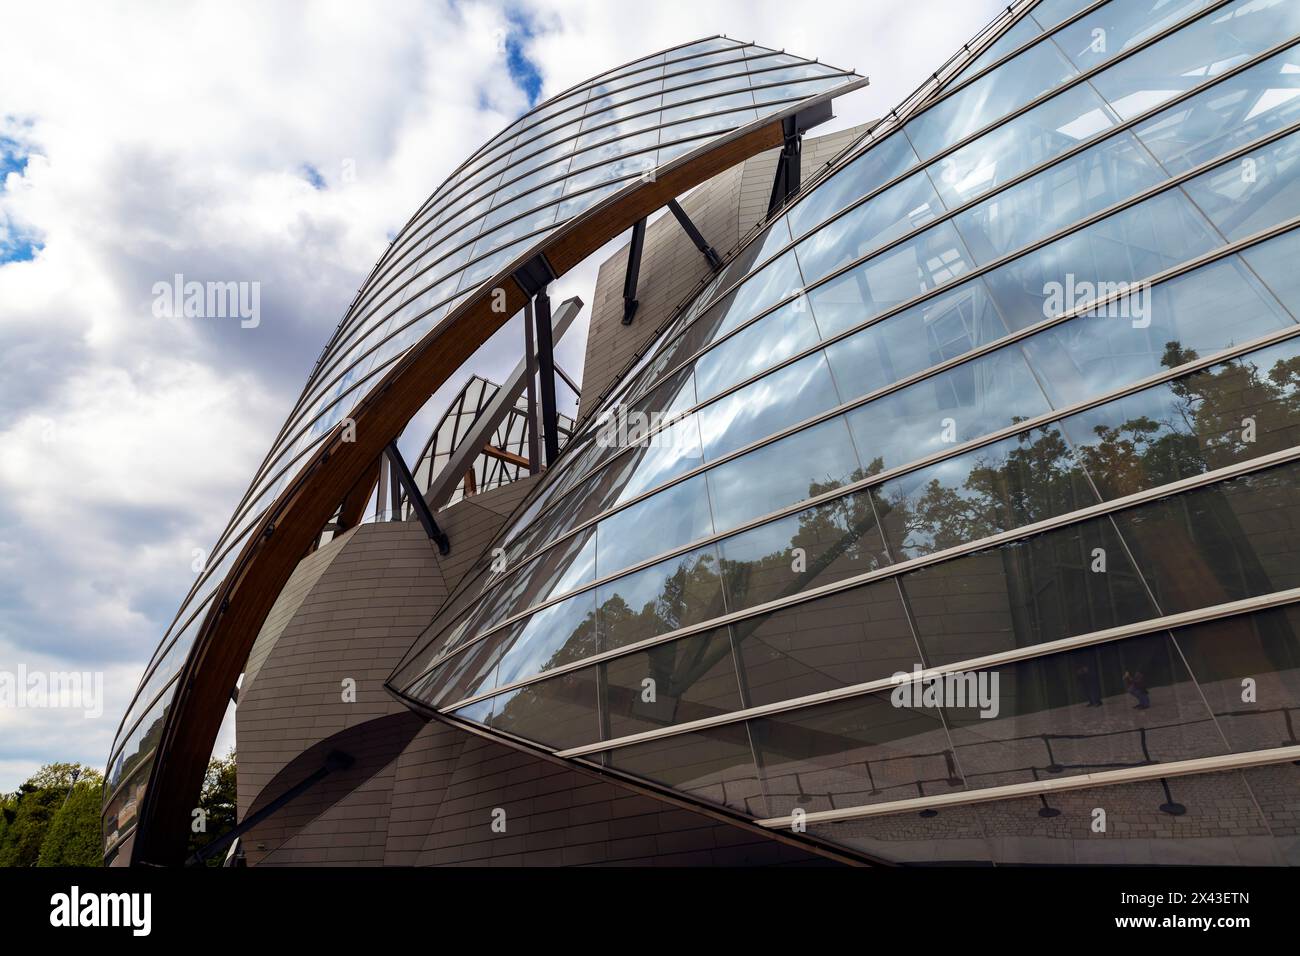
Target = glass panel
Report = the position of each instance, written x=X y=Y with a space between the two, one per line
x=556 y=635
x=714 y=765
x=1203 y=312
x=651 y=461
x=776 y=237
x=1193 y=424
x=1127 y=247
x=1020 y=33
x=931 y=332
x=1223 y=543
x=1011 y=483
x=1261 y=189
x=1049 y=13
x=768 y=97
x=1016 y=82
x=723 y=94
x=799 y=466
x=557 y=571
x=1026 y=592
x=872 y=169
x=1239 y=110
x=961 y=404
x=1047 y=130
x=838 y=539
x=718 y=123
x=1106 y=707
x=1274 y=263
x=776 y=336
x=852 y=753
x=1258 y=652
x=478 y=713
x=558 y=712
x=900 y=209
x=774 y=282
x=934 y=258
x=122 y=811
x=689 y=679
x=848 y=638
x=141 y=742
x=1106 y=32
x=169 y=664
x=1216 y=42
x=672 y=594
x=677 y=515
x=1098 y=177
x=467 y=674
x=761 y=408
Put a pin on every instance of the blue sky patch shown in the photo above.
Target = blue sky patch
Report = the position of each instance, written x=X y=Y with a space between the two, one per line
x=12 y=159
x=523 y=71
x=313 y=176
x=17 y=246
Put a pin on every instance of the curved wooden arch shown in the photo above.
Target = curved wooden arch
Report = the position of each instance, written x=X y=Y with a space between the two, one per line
x=343 y=471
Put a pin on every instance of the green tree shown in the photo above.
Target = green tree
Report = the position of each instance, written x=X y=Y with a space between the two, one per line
x=219 y=803
x=29 y=812
x=74 y=836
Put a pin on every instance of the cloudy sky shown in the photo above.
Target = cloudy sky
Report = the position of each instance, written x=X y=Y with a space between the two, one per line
x=283 y=143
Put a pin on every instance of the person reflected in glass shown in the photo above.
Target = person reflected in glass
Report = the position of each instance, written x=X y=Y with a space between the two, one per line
x=1136 y=684
x=1091 y=684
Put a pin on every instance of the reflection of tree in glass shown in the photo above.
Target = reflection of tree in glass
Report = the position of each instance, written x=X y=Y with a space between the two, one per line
x=1195 y=424
x=690 y=592
x=1204 y=425
x=1014 y=482
x=1188 y=426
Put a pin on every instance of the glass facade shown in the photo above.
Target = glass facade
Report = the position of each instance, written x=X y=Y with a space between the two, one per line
x=559 y=161
x=1013 y=392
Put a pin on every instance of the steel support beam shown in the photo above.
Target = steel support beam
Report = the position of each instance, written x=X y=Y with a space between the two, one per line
x=382 y=487
x=395 y=495
x=633 y=271
x=418 y=504
x=479 y=434
x=532 y=278
x=789 y=170
x=709 y=253
x=530 y=360
x=788 y=165
x=335 y=761
x=564 y=376
x=546 y=376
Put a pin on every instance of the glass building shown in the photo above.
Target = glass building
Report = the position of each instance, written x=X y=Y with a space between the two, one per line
x=956 y=517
